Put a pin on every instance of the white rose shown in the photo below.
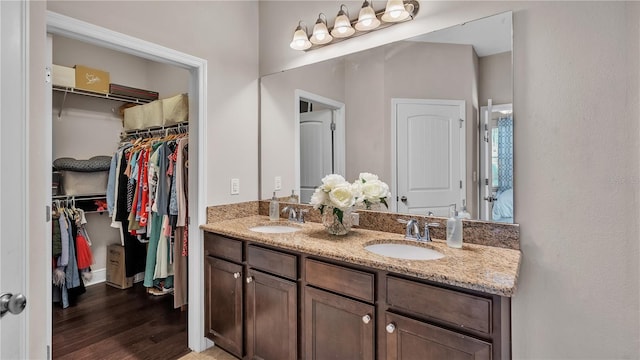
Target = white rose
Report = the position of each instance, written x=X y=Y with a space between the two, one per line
x=331 y=181
x=375 y=190
x=356 y=189
x=366 y=177
x=318 y=198
x=342 y=197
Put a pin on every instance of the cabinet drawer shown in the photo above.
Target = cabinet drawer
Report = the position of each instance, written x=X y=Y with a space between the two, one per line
x=272 y=261
x=342 y=280
x=458 y=309
x=223 y=247
x=407 y=336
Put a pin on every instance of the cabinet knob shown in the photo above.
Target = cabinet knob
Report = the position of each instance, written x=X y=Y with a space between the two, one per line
x=391 y=327
x=236 y=275
x=249 y=279
x=366 y=319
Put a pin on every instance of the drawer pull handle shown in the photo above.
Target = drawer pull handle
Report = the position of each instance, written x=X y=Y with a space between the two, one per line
x=391 y=327
x=236 y=275
x=366 y=319
x=249 y=279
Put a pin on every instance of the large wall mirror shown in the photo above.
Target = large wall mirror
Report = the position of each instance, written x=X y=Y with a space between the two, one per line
x=432 y=116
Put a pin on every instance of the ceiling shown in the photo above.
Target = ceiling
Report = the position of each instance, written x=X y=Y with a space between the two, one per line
x=488 y=36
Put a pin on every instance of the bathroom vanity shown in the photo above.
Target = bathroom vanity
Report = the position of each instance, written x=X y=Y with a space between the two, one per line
x=310 y=295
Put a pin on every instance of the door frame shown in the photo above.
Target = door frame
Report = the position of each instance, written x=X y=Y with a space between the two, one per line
x=393 y=204
x=484 y=207
x=339 y=154
x=79 y=30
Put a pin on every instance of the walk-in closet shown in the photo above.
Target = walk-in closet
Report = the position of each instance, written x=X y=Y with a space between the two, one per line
x=119 y=202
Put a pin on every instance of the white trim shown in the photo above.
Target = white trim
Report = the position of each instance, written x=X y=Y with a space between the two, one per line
x=98 y=276
x=393 y=204
x=83 y=31
x=340 y=143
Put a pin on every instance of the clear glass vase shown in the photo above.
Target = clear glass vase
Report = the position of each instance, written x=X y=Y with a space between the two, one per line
x=336 y=221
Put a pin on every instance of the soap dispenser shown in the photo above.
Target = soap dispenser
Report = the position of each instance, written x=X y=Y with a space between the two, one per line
x=464 y=214
x=454 y=229
x=274 y=208
x=293 y=198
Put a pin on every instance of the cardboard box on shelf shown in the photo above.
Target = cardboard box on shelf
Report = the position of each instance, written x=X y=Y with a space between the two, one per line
x=63 y=76
x=116 y=273
x=92 y=79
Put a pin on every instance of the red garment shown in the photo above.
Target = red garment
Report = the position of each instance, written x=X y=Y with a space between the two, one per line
x=144 y=206
x=84 y=257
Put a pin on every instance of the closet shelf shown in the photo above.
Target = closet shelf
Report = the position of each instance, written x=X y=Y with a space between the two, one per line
x=114 y=97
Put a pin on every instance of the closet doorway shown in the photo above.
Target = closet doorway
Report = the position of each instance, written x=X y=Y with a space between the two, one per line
x=69 y=28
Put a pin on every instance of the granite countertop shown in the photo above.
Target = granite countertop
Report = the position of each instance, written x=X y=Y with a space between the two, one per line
x=486 y=269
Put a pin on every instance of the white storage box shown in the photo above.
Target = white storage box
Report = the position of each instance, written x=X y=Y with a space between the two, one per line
x=64 y=76
x=143 y=116
x=165 y=112
x=84 y=183
x=175 y=110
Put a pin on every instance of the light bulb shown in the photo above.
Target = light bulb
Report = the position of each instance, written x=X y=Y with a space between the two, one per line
x=320 y=36
x=342 y=30
x=395 y=14
x=367 y=22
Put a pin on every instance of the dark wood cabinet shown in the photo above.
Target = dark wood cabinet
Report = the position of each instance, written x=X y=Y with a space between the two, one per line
x=266 y=304
x=272 y=317
x=337 y=327
x=409 y=339
x=223 y=310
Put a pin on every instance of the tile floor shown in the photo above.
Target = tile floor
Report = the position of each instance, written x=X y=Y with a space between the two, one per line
x=214 y=353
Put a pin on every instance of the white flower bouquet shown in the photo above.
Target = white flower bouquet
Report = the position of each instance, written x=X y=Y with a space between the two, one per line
x=340 y=195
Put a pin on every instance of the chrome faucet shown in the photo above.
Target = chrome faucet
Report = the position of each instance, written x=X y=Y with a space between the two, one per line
x=412 y=230
x=295 y=215
x=427 y=233
x=291 y=211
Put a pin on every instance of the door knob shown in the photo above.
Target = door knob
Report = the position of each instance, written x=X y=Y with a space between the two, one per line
x=366 y=319
x=391 y=327
x=403 y=198
x=12 y=303
x=236 y=275
x=249 y=279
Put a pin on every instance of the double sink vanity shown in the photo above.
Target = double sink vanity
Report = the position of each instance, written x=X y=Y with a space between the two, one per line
x=286 y=290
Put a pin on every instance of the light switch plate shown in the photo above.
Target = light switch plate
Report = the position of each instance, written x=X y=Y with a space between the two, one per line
x=278 y=183
x=235 y=186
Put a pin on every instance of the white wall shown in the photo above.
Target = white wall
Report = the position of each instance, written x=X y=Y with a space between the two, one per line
x=576 y=161
x=202 y=29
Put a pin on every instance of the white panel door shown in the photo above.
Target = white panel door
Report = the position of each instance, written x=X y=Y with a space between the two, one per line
x=430 y=155
x=316 y=151
x=13 y=178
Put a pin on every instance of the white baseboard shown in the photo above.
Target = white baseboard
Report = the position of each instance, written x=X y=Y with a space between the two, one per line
x=99 y=276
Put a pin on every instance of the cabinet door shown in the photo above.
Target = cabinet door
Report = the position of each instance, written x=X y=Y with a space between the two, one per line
x=337 y=327
x=272 y=316
x=223 y=304
x=409 y=339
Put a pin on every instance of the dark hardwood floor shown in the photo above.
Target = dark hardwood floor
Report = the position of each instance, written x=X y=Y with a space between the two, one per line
x=109 y=323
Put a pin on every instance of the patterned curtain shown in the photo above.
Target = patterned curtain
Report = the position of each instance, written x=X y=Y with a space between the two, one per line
x=505 y=153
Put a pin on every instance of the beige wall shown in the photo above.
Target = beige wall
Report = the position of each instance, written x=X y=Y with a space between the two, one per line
x=198 y=28
x=575 y=69
x=278 y=111
x=495 y=81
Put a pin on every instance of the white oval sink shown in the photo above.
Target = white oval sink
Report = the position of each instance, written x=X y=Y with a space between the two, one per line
x=274 y=229
x=404 y=251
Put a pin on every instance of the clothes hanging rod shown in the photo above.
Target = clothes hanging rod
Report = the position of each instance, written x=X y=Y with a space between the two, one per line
x=163 y=130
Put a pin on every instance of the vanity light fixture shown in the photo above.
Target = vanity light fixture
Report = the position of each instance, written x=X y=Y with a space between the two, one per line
x=300 y=40
x=320 y=32
x=342 y=26
x=368 y=20
x=396 y=11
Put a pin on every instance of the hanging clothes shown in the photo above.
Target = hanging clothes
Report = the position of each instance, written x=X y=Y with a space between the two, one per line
x=148 y=194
